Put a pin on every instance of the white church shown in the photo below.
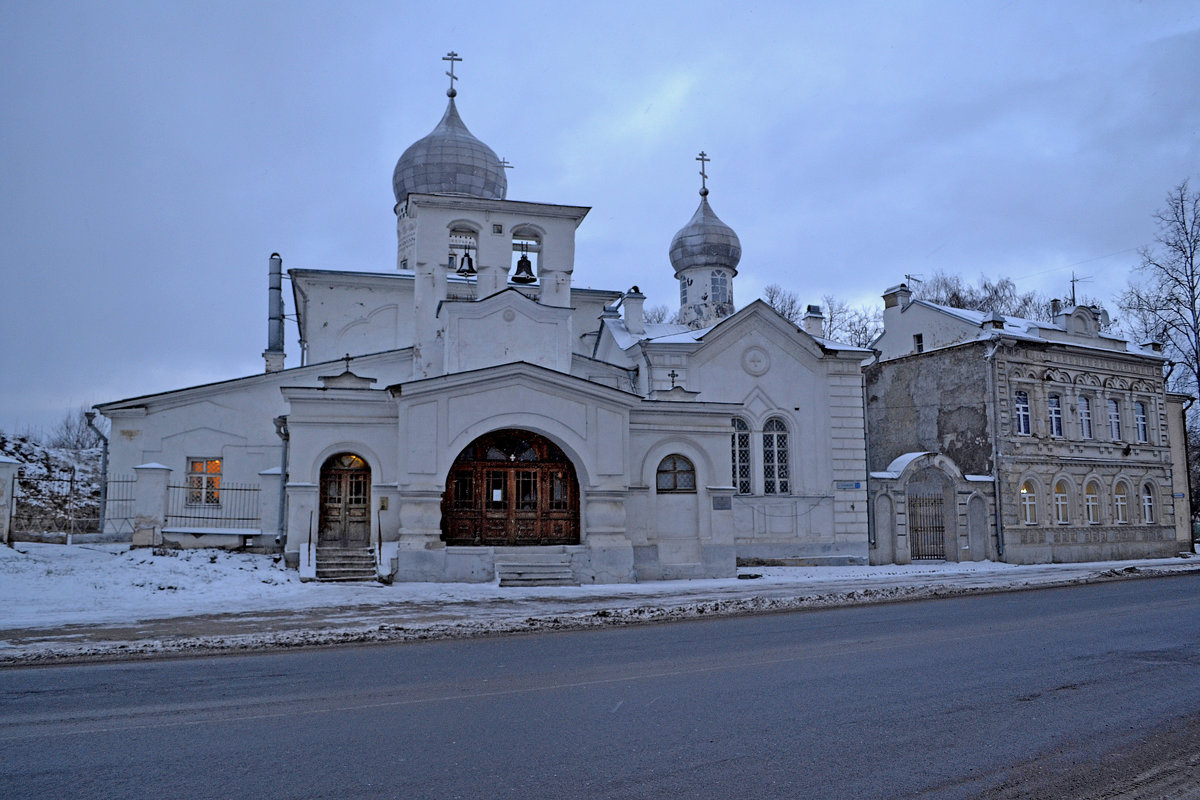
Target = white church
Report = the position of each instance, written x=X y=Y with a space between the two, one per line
x=471 y=416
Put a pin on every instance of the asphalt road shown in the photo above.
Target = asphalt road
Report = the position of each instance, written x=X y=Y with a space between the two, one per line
x=951 y=698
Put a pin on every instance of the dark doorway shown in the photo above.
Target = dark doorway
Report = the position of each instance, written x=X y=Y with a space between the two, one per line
x=345 y=502
x=511 y=487
x=926 y=525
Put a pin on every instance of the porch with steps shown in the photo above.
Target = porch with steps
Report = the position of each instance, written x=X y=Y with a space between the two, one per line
x=346 y=564
x=540 y=567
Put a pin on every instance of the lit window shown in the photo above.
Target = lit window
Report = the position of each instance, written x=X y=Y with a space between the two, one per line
x=1028 y=503
x=1085 y=418
x=775 y=457
x=204 y=481
x=1062 y=500
x=739 y=443
x=1139 y=417
x=1114 y=420
x=1148 y=504
x=1091 y=503
x=1021 y=407
x=1121 y=503
x=676 y=474
x=1056 y=429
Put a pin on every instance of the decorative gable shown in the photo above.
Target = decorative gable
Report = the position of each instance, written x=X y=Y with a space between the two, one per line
x=505 y=328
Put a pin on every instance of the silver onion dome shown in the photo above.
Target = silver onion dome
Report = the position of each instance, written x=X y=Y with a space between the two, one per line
x=449 y=161
x=705 y=242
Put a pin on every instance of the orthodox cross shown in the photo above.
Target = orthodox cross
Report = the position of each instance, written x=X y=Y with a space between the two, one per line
x=672 y=375
x=504 y=163
x=703 y=159
x=451 y=57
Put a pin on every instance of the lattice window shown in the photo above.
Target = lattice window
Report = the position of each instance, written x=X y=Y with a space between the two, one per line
x=1091 y=503
x=1085 y=418
x=775 y=458
x=739 y=443
x=1056 y=422
x=1029 y=503
x=1121 y=503
x=1021 y=409
x=676 y=474
x=204 y=481
x=1062 y=503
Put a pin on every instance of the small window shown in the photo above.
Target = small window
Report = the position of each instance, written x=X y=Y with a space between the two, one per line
x=918 y=343
x=676 y=474
x=1139 y=418
x=775 y=458
x=739 y=445
x=1028 y=503
x=1021 y=408
x=1056 y=426
x=1114 y=420
x=682 y=292
x=204 y=481
x=1148 y=504
x=1085 y=418
x=1121 y=503
x=497 y=229
x=720 y=286
x=1062 y=503
x=1091 y=502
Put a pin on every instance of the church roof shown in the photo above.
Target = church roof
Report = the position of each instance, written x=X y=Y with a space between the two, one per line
x=449 y=161
x=705 y=241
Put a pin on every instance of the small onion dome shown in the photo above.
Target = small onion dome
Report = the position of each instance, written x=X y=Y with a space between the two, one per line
x=705 y=242
x=449 y=161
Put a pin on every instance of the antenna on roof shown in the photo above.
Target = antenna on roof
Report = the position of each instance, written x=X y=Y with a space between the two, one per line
x=912 y=278
x=1075 y=280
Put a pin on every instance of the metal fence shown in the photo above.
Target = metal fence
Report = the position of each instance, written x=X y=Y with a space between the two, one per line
x=118 y=507
x=55 y=502
x=232 y=505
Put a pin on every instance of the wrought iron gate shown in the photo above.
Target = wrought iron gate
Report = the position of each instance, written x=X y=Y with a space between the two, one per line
x=926 y=526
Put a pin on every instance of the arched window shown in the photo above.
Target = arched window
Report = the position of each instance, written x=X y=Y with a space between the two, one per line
x=1148 y=504
x=1085 y=418
x=739 y=445
x=676 y=474
x=1091 y=502
x=1028 y=503
x=1062 y=503
x=1021 y=407
x=775 y=457
x=1114 y=420
x=1056 y=429
x=1121 y=503
x=720 y=286
x=1139 y=417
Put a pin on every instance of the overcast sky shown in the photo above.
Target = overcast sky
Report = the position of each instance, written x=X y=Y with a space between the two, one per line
x=154 y=154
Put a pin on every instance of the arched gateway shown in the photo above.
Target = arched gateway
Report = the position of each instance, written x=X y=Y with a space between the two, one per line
x=345 y=502
x=511 y=487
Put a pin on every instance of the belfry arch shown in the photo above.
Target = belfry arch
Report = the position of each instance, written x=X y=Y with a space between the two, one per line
x=511 y=487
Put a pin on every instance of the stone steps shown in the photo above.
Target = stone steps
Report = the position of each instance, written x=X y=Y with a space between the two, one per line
x=338 y=564
x=535 y=569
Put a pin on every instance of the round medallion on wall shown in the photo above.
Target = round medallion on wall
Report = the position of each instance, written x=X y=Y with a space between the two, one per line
x=509 y=315
x=755 y=360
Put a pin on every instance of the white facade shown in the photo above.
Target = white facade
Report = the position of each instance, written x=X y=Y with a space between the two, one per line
x=456 y=420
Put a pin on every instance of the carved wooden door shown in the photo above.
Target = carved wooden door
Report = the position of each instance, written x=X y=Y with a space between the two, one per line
x=345 y=502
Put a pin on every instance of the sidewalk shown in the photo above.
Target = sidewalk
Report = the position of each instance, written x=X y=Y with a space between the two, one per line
x=287 y=613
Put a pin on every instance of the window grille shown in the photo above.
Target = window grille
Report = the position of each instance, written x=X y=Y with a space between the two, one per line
x=204 y=481
x=676 y=474
x=775 y=458
x=739 y=443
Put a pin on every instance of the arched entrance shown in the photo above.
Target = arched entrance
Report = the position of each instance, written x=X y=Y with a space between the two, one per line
x=511 y=487
x=345 y=502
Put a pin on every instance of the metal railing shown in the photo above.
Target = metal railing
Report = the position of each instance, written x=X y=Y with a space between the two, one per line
x=233 y=505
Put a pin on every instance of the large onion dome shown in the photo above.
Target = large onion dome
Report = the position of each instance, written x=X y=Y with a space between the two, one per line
x=449 y=161
x=705 y=242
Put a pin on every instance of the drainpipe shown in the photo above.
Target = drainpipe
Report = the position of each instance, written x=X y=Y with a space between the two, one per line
x=281 y=430
x=993 y=380
x=871 y=540
x=90 y=416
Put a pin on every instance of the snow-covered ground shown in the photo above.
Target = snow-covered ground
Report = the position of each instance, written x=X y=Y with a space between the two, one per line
x=58 y=600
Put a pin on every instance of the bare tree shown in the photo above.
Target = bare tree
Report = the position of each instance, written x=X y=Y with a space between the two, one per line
x=73 y=433
x=656 y=314
x=784 y=302
x=1000 y=296
x=856 y=326
x=1164 y=303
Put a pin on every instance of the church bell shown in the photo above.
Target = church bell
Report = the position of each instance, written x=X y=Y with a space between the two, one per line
x=467 y=266
x=524 y=273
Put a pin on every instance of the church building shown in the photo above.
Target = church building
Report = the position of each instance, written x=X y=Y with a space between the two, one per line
x=469 y=415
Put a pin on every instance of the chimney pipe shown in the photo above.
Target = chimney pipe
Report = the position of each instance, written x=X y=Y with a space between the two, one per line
x=814 y=322
x=274 y=355
x=633 y=302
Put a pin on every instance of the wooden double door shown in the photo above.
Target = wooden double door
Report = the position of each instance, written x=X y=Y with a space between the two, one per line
x=511 y=487
x=345 y=502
